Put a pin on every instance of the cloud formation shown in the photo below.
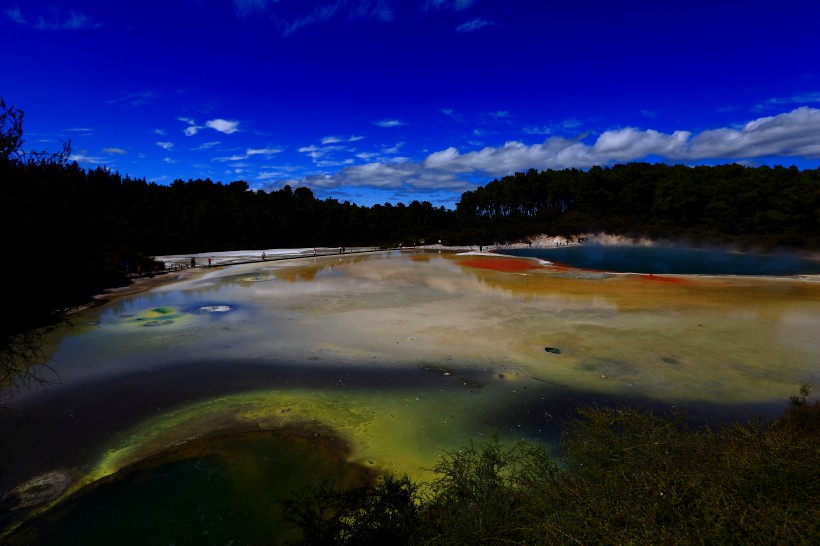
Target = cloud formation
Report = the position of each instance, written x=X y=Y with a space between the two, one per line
x=250 y=152
x=54 y=19
x=135 y=99
x=290 y=16
x=812 y=97
x=336 y=139
x=474 y=25
x=15 y=15
x=791 y=134
x=389 y=123
x=83 y=158
x=226 y=126
x=454 y=5
x=223 y=125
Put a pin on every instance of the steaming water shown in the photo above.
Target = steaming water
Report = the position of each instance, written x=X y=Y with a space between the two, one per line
x=383 y=361
x=659 y=259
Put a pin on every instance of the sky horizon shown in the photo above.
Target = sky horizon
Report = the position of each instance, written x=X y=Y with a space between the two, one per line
x=375 y=101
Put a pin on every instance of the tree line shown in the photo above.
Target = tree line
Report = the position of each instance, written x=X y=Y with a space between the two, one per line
x=762 y=207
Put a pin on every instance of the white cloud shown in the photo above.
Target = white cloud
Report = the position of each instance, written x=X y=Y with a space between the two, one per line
x=337 y=139
x=53 y=18
x=249 y=153
x=475 y=24
x=223 y=125
x=118 y=151
x=263 y=151
x=313 y=151
x=389 y=123
x=135 y=99
x=791 y=134
x=333 y=163
x=450 y=113
x=170 y=161
x=165 y=145
x=795 y=133
x=159 y=131
x=70 y=21
x=319 y=152
x=393 y=149
x=778 y=102
x=270 y=175
x=289 y=17
x=15 y=15
x=226 y=126
x=82 y=157
x=206 y=145
x=455 y=5
x=535 y=130
x=192 y=128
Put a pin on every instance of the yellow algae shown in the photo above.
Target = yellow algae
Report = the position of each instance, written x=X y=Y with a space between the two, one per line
x=387 y=432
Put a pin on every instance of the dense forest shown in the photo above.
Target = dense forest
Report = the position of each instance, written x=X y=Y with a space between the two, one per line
x=760 y=207
x=68 y=231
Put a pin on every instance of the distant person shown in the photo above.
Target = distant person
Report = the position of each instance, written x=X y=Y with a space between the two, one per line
x=264 y=256
x=314 y=251
x=193 y=262
x=209 y=262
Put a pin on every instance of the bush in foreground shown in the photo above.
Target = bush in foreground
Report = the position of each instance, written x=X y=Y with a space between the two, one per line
x=626 y=477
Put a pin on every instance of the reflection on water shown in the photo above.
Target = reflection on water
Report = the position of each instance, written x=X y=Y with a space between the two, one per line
x=398 y=357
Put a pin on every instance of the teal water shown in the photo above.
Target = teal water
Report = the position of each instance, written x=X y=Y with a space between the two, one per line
x=673 y=260
x=224 y=491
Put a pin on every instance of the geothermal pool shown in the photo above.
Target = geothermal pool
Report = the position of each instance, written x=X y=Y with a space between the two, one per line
x=193 y=404
x=632 y=258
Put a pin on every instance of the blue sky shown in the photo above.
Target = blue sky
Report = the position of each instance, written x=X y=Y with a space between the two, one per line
x=377 y=101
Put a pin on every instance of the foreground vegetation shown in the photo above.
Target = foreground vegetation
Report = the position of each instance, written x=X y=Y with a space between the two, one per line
x=625 y=477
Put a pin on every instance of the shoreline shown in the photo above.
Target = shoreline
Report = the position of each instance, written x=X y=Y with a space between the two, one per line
x=177 y=268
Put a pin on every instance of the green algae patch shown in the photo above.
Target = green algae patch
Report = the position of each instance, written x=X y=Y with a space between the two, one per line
x=157 y=316
x=215 y=490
